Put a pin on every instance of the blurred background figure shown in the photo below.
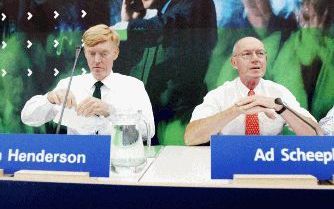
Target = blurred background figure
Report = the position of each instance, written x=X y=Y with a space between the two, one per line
x=305 y=63
x=170 y=53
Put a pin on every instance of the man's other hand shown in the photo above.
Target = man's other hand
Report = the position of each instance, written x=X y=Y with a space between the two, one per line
x=256 y=104
x=93 y=106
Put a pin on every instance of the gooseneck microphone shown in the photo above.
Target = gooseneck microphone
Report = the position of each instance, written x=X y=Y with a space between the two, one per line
x=77 y=53
x=280 y=102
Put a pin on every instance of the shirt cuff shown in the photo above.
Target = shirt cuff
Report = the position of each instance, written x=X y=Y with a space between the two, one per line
x=123 y=25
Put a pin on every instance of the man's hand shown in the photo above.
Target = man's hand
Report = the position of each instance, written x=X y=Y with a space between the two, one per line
x=132 y=9
x=308 y=17
x=58 y=97
x=256 y=104
x=93 y=106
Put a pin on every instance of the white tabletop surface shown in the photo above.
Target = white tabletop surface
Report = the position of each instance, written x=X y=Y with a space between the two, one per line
x=181 y=165
x=178 y=166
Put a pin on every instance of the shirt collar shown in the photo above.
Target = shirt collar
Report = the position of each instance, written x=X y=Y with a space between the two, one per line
x=243 y=90
x=107 y=81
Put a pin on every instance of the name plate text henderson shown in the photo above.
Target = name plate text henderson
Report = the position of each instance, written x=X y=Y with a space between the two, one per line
x=55 y=152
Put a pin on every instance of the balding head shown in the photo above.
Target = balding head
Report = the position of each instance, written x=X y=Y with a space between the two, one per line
x=244 y=41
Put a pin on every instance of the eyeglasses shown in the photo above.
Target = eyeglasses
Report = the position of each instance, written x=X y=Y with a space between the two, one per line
x=248 y=55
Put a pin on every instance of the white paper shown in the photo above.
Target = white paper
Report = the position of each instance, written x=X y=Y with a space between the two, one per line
x=80 y=123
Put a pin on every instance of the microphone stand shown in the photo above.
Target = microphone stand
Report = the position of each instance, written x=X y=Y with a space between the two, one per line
x=77 y=53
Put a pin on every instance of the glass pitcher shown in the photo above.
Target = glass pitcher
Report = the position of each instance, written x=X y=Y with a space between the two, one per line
x=127 y=149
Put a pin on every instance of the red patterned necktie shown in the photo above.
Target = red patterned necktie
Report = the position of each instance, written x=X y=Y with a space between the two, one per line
x=252 y=121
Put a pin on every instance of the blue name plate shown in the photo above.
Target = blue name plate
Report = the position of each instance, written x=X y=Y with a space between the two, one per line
x=272 y=155
x=55 y=152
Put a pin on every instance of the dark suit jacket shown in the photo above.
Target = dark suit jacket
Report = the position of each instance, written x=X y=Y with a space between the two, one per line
x=170 y=53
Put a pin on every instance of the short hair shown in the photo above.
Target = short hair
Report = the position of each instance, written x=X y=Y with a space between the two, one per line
x=238 y=41
x=98 y=34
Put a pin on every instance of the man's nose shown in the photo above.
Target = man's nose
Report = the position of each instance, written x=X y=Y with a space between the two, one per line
x=255 y=57
x=97 y=58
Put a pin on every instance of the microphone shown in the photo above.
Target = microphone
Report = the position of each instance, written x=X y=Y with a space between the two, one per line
x=77 y=53
x=280 y=102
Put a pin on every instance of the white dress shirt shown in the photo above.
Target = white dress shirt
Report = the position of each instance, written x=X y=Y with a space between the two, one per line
x=327 y=123
x=120 y=92
x=230 y=92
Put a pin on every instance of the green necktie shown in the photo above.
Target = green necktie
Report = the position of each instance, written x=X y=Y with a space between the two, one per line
x=97 y=91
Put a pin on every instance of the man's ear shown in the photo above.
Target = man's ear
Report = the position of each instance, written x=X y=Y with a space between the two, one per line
x=233 y=62
x=115 y=53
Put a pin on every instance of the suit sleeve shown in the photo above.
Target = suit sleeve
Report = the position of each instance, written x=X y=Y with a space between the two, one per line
x=181 y=14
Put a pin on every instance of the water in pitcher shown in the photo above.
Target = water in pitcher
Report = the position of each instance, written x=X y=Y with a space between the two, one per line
x=127 y=149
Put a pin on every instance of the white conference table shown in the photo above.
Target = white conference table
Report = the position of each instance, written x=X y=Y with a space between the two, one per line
x=181 y=165
x=185 y=166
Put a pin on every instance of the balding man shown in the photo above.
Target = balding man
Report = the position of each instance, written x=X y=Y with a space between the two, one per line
x=246 y=105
